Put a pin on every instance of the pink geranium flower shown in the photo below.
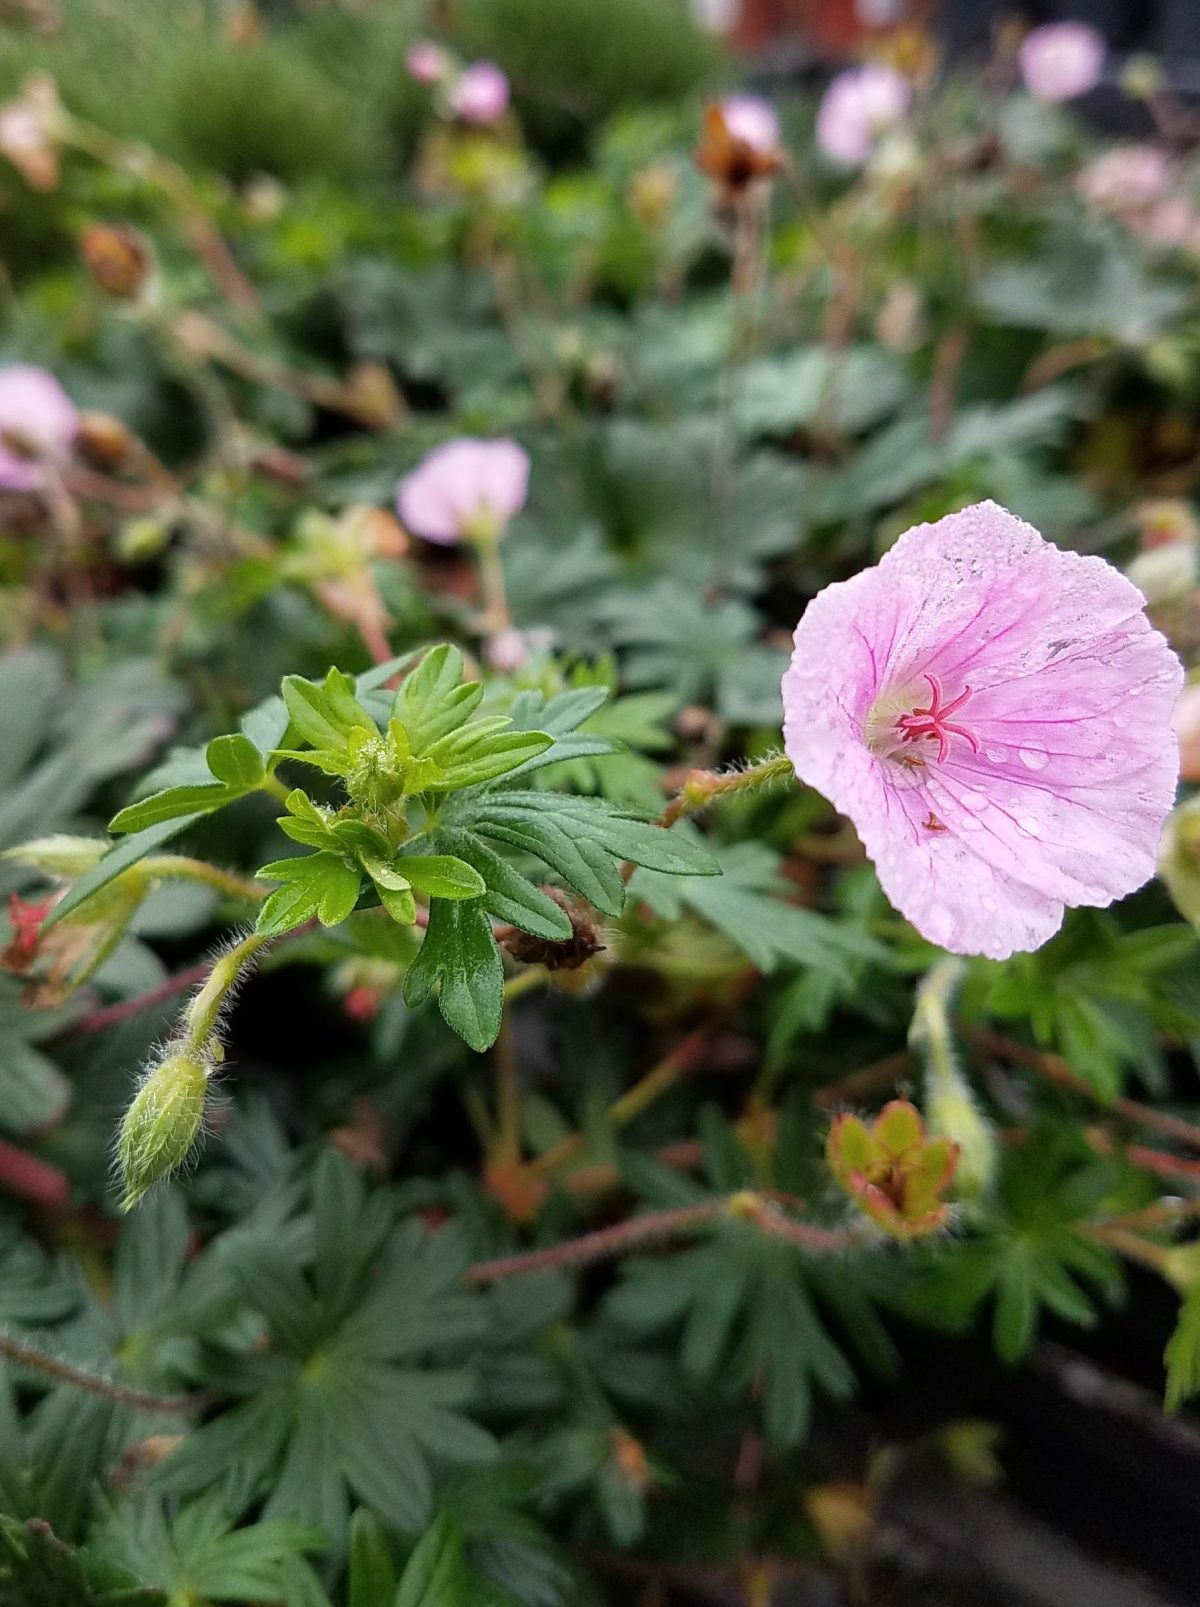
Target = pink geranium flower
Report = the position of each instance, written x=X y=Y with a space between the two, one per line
x=481 y=93
x=467 y=490
x=427 y=62
x=857 y=108
x=994 y=715
x=752 y=120
x=1126 y=178
x=1062 y=60
x=38 y=423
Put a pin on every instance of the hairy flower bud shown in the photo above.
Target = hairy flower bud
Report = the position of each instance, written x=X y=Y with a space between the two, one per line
x=59 y=856
x=162 y=1124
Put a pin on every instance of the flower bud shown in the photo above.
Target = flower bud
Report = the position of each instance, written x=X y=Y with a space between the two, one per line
x=118 y=259
x=59 y=856
x=1179 y=859
x=139 y=540
x=162 y=1124
x=951 y=1112
x=1142 y=77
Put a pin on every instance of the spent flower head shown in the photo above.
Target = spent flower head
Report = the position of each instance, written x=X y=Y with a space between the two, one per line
x=38 y=423
x=1062 y=60
x=860 y=106
x=739 y=144
x=994 y=715
x=467 y=490
x=893 y=1171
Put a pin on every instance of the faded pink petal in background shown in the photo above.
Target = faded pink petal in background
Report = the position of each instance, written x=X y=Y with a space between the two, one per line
x=1062 y=60
x=857 y=108
x=481 y=93
x=1126 y=178
x=994 y=716
x=37 y=420
x=752 y=120
x=464 y=489
x=427 y=62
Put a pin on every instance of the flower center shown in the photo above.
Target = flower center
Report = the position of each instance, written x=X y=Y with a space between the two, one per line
x=896 y=726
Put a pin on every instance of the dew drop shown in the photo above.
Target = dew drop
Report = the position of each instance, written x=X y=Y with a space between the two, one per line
x=1033 y=758
x=997 y=755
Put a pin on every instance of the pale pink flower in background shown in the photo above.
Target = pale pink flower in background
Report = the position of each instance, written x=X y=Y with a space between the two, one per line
x=1173 y=222
x=1186 y=723
x=427 y=62
x=38 y=423
x=467 y=490
x=1062 y=60
x=1126 y=178
x=481 y=93
x=752 y=120
x=857 y=108
x=509 y=650
x=994 y=716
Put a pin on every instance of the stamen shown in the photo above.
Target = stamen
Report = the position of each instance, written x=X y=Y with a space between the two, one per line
x=931 y=725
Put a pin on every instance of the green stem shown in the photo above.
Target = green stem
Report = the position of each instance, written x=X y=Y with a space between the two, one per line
x=203 y=1014
x=496 y=616
x=179 y=867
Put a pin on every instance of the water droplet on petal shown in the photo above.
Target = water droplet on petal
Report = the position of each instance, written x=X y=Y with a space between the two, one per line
x=997 y=755
x=1034 y=758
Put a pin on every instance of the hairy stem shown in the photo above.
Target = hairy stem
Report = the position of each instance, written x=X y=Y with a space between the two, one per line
x=180 y=867
x=62 y=1372
x=661 y=1227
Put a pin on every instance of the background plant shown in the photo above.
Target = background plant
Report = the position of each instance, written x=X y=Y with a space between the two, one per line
x=491 y=1300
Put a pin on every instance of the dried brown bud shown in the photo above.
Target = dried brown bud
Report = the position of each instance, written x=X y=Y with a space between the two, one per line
x=104 y=441
x=118 y=258
x=566 y=955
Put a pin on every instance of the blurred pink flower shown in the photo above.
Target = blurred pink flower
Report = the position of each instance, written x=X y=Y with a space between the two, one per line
x=1062 y=60
x=858 y=107
x=994 y=715
x=752 y=120
x=38 y=420
x=1186 y=724
x=427 y=62
x=467 y=490
x=1126 y=178
x=1173 y=222
x=481 y=93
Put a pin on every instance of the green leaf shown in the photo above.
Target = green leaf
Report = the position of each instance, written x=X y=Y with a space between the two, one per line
x=173 y=804
x=119 y=858
x=441 y=875
x=431 y=701
x=1182 y=1355
x=459 y=956
x=372 y=1576
x=467 y=760
x=434 y=1575
x=508 y=895
x=325 y=715
x=38 y=1570
x=586 y=840
x=235 y=761
x=320 y=884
